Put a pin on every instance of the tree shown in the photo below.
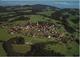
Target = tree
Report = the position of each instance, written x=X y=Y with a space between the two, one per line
x=56 y=15
x=20 y=40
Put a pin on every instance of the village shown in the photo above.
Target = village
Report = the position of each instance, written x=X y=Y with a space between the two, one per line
x=38 y=29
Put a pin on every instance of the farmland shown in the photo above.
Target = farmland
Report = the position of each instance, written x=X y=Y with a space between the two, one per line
x=42 y=31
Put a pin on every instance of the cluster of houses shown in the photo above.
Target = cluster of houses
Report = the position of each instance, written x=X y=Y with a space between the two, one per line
x=38 y=30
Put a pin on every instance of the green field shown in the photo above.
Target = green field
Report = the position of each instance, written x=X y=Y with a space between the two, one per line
x=63 y=41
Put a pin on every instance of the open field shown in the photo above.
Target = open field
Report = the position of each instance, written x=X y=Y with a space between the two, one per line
x=46 y=31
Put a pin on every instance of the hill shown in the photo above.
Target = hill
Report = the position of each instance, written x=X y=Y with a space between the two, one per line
x=42 y=30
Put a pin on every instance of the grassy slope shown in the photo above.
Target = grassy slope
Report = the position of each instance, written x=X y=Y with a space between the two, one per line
x=2 y=52
x=4 y=34
x=62 y=48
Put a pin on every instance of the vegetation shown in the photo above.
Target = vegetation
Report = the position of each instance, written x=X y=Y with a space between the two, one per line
x=39 y=30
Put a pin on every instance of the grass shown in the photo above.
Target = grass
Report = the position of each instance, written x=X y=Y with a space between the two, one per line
x=74 y=48
x=36 y=18
x=19 y=22
x=68 y=49
x=47 y=13
x=4 y=35
x=60 y=48
x=73 y=22
x=36 y=39
x=21 y=48
x=2 y=51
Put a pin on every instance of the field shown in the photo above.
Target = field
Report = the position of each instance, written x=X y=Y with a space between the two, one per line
x=39 y=32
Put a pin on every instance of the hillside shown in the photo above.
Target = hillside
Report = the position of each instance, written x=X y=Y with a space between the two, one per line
x=39 y=30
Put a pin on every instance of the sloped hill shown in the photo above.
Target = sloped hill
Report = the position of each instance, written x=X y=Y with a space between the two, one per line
x=54 y=30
